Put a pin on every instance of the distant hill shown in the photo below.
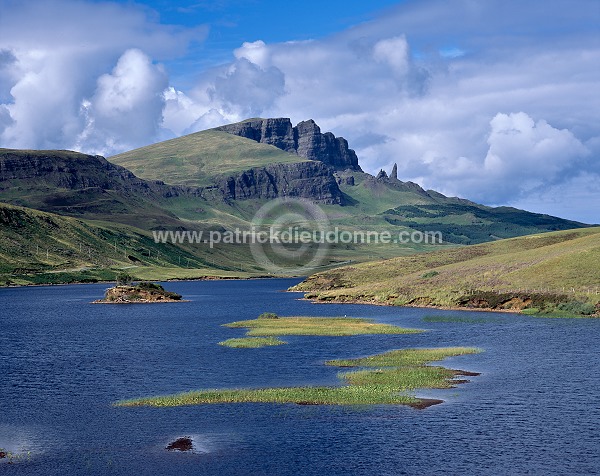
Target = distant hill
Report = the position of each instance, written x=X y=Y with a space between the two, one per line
x=406 y=206
x=266 y=158
x=236 y=168
x=530 y=271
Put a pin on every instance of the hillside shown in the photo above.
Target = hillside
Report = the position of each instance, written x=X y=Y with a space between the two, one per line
x=530 y=271
x=196 y=159
x=84 y=186
x=38 y=248
x=227 y=167
x=395 y=205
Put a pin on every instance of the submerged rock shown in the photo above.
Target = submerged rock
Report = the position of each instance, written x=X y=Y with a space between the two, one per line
x=184 y=443
x=424 y=403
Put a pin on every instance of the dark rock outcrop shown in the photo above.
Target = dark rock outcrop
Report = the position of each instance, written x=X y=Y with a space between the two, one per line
x=305 y=140
x=381 y=175
x=325 y=148
x=347 y=180
x=276 y=132
x=394 y=174
x=312 y=180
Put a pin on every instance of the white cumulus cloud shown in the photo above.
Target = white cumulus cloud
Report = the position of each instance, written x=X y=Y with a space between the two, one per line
x=52 y=54
x=126 y=108
x=519 y=145
x=394 y=52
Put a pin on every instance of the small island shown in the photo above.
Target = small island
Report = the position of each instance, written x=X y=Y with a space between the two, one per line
x=125 y=292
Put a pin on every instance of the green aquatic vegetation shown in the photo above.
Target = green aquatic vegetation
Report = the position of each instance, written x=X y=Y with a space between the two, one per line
x=405 y=357
x=317 y=326
x=403 y=378
x=251 y=342
x=268 y=315
x=566 y=309
x=396 y=375
x=349 y=395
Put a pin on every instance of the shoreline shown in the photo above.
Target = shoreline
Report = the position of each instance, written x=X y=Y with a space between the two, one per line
x=441 y=308
x=144 y=301
x=446 y=308
x=313 y=301
x=171 y=280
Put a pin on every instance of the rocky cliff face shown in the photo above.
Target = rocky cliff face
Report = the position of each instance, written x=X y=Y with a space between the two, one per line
x=305 y=140
x=67 y=170
x=276 y=132
x=312 y=180
x=87 y=186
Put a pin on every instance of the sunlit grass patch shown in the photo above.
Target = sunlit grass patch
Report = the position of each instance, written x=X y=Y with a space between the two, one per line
x=318 y=326
x=405 y=357
x=558 y=268
x=251 y=342
x=348 y=395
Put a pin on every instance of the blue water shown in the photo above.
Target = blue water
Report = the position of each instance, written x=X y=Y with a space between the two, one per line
x=534 y=410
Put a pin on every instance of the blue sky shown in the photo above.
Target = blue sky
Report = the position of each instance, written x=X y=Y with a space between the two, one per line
x=495 y=101
x=233 y=22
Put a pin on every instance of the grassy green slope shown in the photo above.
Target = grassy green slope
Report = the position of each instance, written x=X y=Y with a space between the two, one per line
x=469 y=223
x=195 y=158
x=371 y=205
x=518 y=272
x=398 y=206
x=38 y=247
